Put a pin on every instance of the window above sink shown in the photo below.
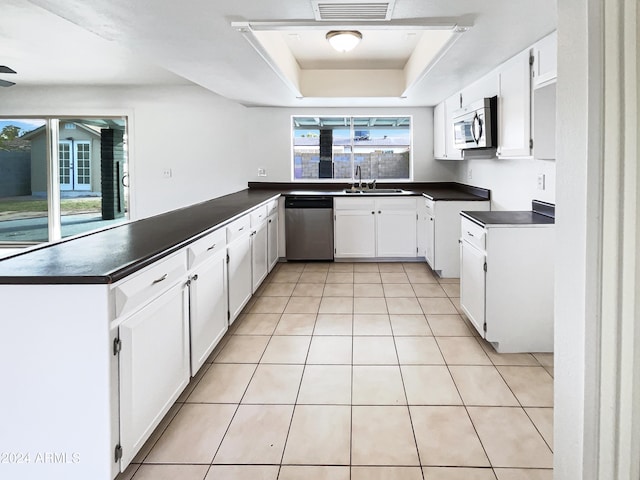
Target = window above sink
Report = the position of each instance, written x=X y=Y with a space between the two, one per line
x=332 y=147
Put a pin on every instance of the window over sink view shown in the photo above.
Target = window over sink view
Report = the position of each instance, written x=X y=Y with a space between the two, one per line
x=352 y=147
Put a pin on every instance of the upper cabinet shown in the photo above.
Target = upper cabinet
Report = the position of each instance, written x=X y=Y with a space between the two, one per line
x=443 y=144
x=525 y=86
x=545 y=60
x=514 y=107
x=439 y=119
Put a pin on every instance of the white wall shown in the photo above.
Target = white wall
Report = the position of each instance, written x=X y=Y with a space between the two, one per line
x=195 y=133
x=513 y=183
x=268 y=139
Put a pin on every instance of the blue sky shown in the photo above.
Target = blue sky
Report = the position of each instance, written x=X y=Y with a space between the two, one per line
x=25 y=124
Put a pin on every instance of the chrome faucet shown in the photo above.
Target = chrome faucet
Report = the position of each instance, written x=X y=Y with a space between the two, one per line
x=359 y=173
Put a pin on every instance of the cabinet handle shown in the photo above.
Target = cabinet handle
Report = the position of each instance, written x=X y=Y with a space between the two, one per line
x=211 y=247
x=373 y=213
x=195 y=277
x=269 y=220
x=379 y=212
x=161 y=279
x=470 y=234
x=240 y=229
x=431 y=219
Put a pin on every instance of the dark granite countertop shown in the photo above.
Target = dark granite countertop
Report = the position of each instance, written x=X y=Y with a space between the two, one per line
x=109 y=255
x=445 y=191
x=508 y=218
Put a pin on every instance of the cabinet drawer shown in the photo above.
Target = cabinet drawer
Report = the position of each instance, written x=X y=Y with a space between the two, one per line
x=258 y=215
x=430 y=207
x=206 y=247
x=473 y=233
x=272 y=207
x=149 y=282
x=354 y=203
x=238 y=227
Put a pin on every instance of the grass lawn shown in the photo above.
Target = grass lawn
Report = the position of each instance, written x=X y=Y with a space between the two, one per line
x=67 y=206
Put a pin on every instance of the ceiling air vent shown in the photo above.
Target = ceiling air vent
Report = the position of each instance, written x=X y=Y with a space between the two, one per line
x=355 y=10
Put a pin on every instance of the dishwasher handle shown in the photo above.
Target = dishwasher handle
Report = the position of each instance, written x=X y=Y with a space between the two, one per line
x=308 y=202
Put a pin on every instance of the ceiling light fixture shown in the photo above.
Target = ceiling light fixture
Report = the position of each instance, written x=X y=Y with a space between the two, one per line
x=344 y=40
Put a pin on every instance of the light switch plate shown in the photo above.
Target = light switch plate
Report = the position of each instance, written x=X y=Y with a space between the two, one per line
x=541 y=181
x=166 y=173
x=262 y=172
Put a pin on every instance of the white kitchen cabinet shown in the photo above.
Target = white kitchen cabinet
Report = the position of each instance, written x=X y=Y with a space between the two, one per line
x=545 y=59
x=544 y=122
x=370 y=227
x=239 y=275
x=154 y=366
x=396 y=227
x=272 y=239
x=208 y=320
x=442 y=226
x=439 y=140
x=506 y=284
x=514 y=107
x=452 y=104
x=259 y=255
x=355 y=232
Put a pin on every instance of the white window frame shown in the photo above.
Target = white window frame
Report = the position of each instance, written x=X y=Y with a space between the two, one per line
x=352 y=179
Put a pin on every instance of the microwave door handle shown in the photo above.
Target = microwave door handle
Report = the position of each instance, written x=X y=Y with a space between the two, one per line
x=476 y=122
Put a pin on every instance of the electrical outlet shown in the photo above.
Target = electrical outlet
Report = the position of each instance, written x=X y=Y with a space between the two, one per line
x=541 y=181
x=262 y=172
x=469 y=174
x=166 y=173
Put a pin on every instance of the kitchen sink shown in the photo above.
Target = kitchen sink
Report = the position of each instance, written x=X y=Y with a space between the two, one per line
x=374 y=191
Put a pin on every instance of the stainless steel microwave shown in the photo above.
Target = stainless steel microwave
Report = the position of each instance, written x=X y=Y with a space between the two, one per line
x=476 y=126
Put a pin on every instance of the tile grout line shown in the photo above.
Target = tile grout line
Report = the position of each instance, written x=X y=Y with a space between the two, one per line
x=406 y=398
x=295 y=404
x=466 y=409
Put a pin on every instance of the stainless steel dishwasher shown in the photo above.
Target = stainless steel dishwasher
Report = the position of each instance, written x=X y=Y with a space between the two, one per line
x=309 y=227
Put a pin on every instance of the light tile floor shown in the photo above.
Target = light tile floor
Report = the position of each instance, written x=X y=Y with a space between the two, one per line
x=349 y=371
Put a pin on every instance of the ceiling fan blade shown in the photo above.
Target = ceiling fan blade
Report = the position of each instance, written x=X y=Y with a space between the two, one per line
x=5 y=69
x=6 y=83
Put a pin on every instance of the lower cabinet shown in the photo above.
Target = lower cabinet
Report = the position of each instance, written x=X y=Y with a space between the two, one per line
x=355 y=233
x=259 y=255
x=375 y=227
x=506 y=284
x=239 y=266
x=154 y=366
x=442 y=226
x=208 y=311
x=272 y=239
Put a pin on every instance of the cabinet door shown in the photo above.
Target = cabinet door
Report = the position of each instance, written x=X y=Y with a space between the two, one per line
x=472 y=284
x=154 y=367
x=259 y=255
x=355 y=235
x=396 y=233
x=272 y=240
x=207 y=309
x=514 y=107
x=430 y=241
x=239 y=273
x=439 y=126
x=545 y=59
x=452 y=104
